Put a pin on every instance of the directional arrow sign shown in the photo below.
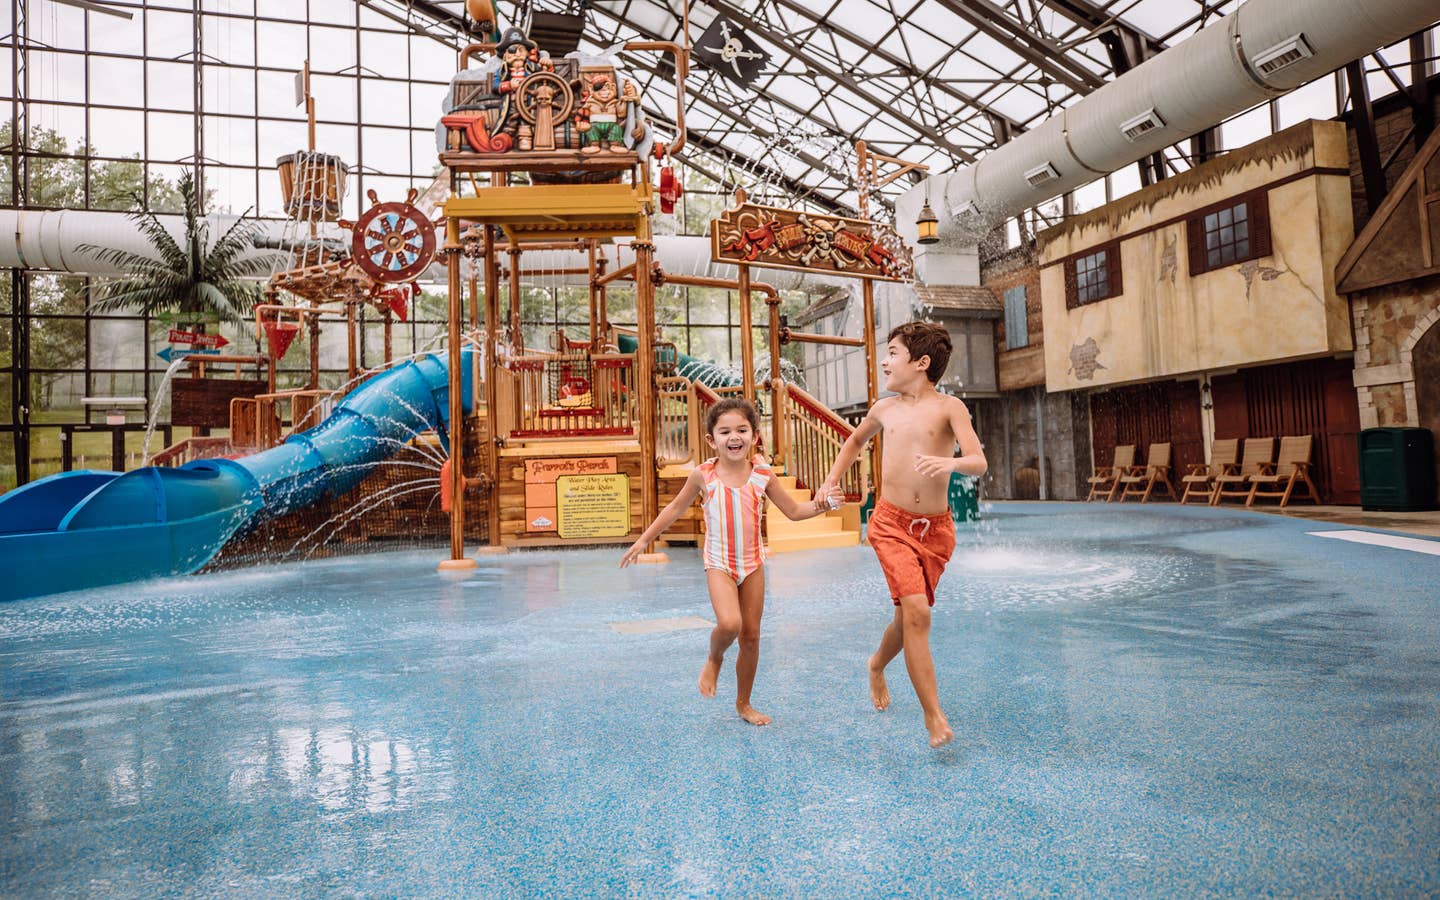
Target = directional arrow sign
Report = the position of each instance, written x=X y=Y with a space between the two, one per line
x=170 y=354
x=198 y=338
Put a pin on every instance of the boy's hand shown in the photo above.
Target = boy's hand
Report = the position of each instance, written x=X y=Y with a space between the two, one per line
x=933 y=466
x=635 y=550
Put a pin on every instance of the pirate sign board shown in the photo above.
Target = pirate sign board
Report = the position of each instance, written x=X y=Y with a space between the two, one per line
x=727 y=49
x=775 y=238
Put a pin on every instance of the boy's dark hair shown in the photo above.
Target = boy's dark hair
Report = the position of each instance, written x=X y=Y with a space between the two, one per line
x=925 y=339
x=732 y=404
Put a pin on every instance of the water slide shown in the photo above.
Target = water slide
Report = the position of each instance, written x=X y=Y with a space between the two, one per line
x=85 y=529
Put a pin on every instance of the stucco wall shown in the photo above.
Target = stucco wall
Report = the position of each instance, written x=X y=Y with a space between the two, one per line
x=1168 y=323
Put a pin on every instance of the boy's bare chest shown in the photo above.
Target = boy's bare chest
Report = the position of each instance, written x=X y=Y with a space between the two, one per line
x=925 y=430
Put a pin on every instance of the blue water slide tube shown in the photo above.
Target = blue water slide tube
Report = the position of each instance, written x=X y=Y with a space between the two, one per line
x=85 y=529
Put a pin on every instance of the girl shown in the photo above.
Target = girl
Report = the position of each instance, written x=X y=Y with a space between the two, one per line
x=734 y=485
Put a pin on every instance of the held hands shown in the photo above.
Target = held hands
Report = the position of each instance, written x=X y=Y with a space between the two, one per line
x=934 y=466
x=823 y=497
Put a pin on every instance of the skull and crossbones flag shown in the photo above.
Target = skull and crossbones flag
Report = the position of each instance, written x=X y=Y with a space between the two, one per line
x=726 y=48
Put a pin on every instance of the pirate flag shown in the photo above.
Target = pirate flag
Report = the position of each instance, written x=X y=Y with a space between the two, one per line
x=728 y=50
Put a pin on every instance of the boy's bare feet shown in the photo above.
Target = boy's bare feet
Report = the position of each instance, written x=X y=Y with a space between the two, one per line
x=708 y=676
x=751 y=714
x=940 y=733
x=879 y=691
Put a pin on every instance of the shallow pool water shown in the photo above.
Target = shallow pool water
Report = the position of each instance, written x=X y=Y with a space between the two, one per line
x=1148 y=701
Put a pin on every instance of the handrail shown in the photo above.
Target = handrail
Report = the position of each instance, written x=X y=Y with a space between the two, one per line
x=814 y=436
x=808 y=401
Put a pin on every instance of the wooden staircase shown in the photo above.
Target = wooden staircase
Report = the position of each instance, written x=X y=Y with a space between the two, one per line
x=840 y=528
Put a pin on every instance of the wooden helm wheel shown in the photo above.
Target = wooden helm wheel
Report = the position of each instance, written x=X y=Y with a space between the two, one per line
x=564 y=103
x=393 y=242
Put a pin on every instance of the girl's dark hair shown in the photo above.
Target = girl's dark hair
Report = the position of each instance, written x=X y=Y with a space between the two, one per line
x=732 y=404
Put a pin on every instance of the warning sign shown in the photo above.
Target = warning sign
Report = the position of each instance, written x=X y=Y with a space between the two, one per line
x=593 y=506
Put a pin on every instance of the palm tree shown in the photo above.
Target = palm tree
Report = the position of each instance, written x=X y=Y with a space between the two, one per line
x=185 y=279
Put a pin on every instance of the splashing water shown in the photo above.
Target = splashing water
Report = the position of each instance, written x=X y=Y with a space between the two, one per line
x=175 y=366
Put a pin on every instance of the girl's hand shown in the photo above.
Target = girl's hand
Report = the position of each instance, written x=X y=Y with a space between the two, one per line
x=933 y=466
x=822 y=498
x=630 y=555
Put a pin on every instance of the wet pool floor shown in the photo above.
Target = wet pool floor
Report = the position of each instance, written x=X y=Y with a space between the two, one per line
x=1148 y=702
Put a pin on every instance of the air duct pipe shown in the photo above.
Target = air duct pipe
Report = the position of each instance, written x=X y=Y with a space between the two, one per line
x=54 y=241
x=1263 y=50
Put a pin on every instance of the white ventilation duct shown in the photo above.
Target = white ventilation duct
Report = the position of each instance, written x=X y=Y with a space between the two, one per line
x=53 y=241
x=1264 y=49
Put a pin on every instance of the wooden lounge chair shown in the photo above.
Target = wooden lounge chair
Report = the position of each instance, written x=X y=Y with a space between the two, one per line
x=1235 y=481
x=1201 y=480
x=1292 y=467
x=1106 y=479
x=1141 y=480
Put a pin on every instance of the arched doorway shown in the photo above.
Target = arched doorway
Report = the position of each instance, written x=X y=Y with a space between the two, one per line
x=1425 y=363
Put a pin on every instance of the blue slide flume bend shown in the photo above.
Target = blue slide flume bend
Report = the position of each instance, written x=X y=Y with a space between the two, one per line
x=84 y=529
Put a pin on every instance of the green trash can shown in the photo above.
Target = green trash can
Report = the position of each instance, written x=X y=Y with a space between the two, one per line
x=964 y=498
x=1397 y=469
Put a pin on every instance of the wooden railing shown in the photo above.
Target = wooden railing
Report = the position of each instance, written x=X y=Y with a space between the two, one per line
x=813 y=435
x=191 y=449
x=676 y=421
x=565 y=395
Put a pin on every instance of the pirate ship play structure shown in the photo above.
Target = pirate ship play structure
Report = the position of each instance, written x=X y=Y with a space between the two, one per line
x=577 y=443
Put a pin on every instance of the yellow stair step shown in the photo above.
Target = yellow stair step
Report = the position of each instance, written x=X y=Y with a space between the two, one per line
x=779 y=525
x=814 y=542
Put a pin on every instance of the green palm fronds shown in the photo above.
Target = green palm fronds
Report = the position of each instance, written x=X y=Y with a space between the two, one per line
x=186 y=276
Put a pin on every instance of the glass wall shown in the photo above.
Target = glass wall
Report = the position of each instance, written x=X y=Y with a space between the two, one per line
x=113 y=110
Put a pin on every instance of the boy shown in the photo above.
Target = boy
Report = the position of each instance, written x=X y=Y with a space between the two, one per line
x=911 y=529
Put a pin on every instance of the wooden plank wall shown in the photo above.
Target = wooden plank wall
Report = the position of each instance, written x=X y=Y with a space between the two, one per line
x=1145 y=414
x=1314 y=397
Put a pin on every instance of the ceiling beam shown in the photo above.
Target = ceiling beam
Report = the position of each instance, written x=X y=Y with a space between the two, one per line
x=1039 y=51
x=878 y=103
x=900 y=63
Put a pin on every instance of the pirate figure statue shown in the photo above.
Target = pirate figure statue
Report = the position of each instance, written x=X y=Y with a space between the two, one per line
x=519 y=59
x=600 y=112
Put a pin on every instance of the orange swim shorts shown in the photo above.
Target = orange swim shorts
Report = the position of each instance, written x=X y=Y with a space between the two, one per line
x=912 y=549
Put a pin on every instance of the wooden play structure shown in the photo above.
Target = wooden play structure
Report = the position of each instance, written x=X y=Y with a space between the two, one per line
x=578 y=442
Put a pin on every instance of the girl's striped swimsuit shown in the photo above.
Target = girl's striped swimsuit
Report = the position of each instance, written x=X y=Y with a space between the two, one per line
x=732 y=520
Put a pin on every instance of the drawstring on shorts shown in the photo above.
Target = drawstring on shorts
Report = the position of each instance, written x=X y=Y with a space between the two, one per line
x=920 y=520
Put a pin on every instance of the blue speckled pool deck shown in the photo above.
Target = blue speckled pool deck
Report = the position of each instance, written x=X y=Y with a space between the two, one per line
x=1152 y=702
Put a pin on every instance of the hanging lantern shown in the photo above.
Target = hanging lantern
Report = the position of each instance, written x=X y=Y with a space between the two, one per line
x=927 y=225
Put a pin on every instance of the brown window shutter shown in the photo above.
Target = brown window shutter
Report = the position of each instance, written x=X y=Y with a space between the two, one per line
x=1072 y=288
x=1259 y=210
x=1195 y=244
x=1114 y=270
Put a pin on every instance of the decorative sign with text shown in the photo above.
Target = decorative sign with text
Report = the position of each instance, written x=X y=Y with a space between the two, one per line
x=592 y=506
x=541 y=475
x=776 y=238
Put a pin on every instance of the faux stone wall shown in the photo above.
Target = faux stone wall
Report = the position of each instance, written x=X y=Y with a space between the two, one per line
x=1011 y=450
x=1389 y=322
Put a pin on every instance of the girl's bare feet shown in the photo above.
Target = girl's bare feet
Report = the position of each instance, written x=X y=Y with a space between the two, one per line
x=940 y=733
x=879 y=691
x=709 y=675
x=751 y=714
